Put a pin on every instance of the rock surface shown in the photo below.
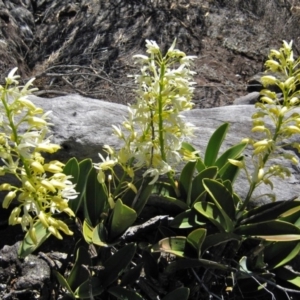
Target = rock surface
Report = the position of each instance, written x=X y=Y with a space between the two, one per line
x=83 y=125
x=86 y=46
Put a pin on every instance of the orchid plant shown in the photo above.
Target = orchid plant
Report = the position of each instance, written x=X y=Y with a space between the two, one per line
x=44 y=189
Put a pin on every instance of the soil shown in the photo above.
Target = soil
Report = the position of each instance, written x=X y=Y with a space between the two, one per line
x=86 y=47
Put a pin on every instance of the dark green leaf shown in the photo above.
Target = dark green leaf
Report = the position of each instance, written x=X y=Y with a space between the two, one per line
x=197 y=184
x=28 y=246
x=289 y=276
x=217 y=239
x=132 y=275
x=278 y=254
x=212 y=213
x=186 y=179
x=187 y=219
x=182 y=293
x=63 y=282
x=196 y=239
x=232 y=153
x=274 y=230
x=122 y=294
x=96 y=200
x=79 y=273
x=230 y=171
x=122 y=217
x=116 y=264
x=72 y=168
x=223 y=200
x=150 y=265
x=99 y=236
x=214 y=145
x=90 y=288
x=87 y=231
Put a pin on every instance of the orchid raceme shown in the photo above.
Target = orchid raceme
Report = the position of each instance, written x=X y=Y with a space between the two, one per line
x=279 y=108
x=44 y=188
x=154 y=129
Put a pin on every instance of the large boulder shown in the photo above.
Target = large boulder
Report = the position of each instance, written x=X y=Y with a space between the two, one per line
x=83 y=125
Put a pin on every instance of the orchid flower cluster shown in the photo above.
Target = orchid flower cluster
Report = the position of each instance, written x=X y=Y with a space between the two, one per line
x=278 y=107
x=44 y=188
x=154 y=130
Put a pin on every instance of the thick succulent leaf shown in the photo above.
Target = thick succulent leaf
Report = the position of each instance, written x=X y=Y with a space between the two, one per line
x=231 y=153
x=144 y=192
x=230 y=171
x=122 y=217
x=181 y=293
x=217 y=239
x=197 y=184
x=90 y=288
x=196 y=239
x=174 y=245
x=186 y=180
x=280 y=253
x=63 y=282
x=87 y=231
x=214 y=145
x=164 y=189
x=96 y=199
x=188 y=263
x=72 y=168
x=212 y=213
x=270 y=211
x=288 y=275
x=132 y=275
x=27 y=245
x=99 y=236
x=79 y=274
x=187 y=219
x=117 y=263
x=223 y=200
x=175 y=203
x=121 y=293
x=274 y=230
x=150 y=263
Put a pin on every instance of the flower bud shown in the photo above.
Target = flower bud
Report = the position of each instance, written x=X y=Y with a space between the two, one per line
x=8 y=198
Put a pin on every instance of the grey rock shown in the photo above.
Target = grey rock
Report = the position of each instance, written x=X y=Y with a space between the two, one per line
x=23 y=277
x=83 y=125
x=250 y=98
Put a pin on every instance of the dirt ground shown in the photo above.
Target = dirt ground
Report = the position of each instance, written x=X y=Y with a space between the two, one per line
x=86 y=46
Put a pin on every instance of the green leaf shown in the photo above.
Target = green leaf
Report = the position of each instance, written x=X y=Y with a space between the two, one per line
x=212 y=213
x=280 y=253
x=197 y=184
x=96 y=200
x=91 y=287
x=174 y=245
x=122 y=217
x=63 y=282
x=144 y=192
x=187 y=219
x=229 y=171
x=196 y=239
x=87 y=231
x=132 y=275
x=186 y=179
x=223 y=200
x=288 y=275
x=274 y=230
x=78 y=273
x=72 y=168
x=28 y=246
x=123 y=294
x=232 y=153
x=181 y=293
x=188 y=263
x=214 y=145
x=217 y=239
x=85 y=167
x=99 y=236
x=116 y=264
x=269 y=211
